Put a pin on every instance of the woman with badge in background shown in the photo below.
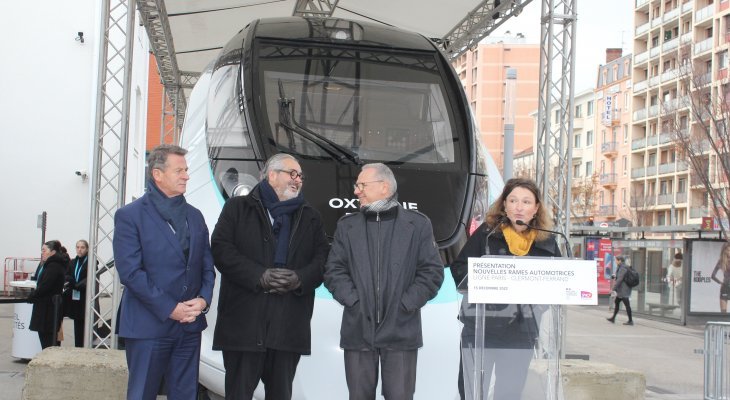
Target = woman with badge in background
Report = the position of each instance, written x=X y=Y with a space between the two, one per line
x=511 y=330
x=75 y=294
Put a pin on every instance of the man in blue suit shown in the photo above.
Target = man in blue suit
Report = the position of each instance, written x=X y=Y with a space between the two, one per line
x=162 y=253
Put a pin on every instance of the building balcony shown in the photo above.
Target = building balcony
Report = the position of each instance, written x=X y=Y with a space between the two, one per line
x=669 y=75
x=638 y=144
x=651 y=170
x=704 y=13
x=638 y=173
x=609 y=149
x=640 y=3
x=655 y=51
x=640 y=86
x=682 y=166
x=663 y=199
x=703 y=46
x=686 y=38
x=656 y=22
x=699 y=212
x=671 y=14
x=578 y=123
x=666 y=168
x=608 y=180
x=640 y=114
x=681 y=197
x=642 y=29
x=653 y=110
x=687 y=7
x=671 y=44
x=608 y=211
x=641 y=58
x=654 y=81
x=665 y=137
x=652 y=140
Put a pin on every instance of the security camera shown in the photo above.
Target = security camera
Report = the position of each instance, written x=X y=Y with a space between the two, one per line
x=82 y=173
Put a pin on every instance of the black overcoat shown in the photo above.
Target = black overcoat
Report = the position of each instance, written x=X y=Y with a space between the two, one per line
x=513 y=326
x=49 y=284
x=243 y=246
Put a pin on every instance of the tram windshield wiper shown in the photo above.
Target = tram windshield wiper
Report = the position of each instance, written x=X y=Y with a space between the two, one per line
x=287 y=121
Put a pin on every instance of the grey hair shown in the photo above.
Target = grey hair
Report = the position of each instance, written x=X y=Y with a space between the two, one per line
x=158 y=157
x=276 y=162
x=383 y=172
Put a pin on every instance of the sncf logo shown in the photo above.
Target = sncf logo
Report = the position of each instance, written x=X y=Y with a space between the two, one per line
x=585 y=295
x=352 y=203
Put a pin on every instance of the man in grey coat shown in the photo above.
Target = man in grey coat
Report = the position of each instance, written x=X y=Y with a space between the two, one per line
x=621 y=292
x=383 y=267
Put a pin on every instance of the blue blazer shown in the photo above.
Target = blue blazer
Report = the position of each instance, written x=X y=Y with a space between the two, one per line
x=153 y=270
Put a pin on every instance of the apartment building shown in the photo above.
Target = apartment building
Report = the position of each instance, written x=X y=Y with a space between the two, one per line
x=612 y=151
x=483 y=72
x=672 y=37
x=585 y=183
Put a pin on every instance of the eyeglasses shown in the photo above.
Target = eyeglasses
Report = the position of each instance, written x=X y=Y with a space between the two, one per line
x=361 y=186
x=294 y=174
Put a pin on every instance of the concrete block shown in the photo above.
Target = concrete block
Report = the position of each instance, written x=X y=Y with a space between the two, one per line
x=590 y=380
x=62 y=373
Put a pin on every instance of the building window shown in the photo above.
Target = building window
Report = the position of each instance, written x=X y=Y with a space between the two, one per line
x=576 y=171
x=626 y=133
x=589 y=138
x=661 y=218
x=589 y=108
x=682 y=185
x=578 y=111
x=576 y=141
x=652 y=160
x=625 y=164
x=722 y=60
x=589 y=168
x=623 y=197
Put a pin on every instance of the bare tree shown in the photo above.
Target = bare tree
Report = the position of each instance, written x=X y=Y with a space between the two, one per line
x=637 y=211
x=697 y=121
x=584 y=192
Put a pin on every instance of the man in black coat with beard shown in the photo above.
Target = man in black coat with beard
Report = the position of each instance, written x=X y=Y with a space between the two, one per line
x=270 y=248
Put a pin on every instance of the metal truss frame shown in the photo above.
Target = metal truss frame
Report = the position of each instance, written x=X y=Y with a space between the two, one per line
x=557 y=74
x=479 y=23
x=554 y=144
x=153 y=16
x=315 y=8
x=108 y=183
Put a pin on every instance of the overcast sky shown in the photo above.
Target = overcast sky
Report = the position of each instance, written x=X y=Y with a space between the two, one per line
x=601 y=25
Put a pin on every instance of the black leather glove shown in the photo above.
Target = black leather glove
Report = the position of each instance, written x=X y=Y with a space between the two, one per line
x=290 y=279
x=273 y=281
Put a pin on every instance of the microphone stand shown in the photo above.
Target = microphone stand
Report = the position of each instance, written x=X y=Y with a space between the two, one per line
x=557 y=341
x=568 y=253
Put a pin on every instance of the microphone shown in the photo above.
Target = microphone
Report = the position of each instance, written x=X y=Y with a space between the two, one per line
x=499 y=222
x=567 y=245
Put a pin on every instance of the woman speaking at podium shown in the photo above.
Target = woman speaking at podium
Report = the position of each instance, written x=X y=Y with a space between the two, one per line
x=515 y=225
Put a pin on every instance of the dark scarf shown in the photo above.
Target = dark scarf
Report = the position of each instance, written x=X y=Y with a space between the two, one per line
x=174 y=211
x=281 y=212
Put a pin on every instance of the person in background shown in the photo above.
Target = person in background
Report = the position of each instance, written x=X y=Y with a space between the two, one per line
x=383 y=267
x=162 y=255
x=723 y=264
x=674 y=277
x=510 y=330
x=75 y=292
x=49 y=283
x=269 y=247
x=622 y=292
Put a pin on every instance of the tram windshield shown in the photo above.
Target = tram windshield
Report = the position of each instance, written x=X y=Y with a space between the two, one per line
x=355 y=105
